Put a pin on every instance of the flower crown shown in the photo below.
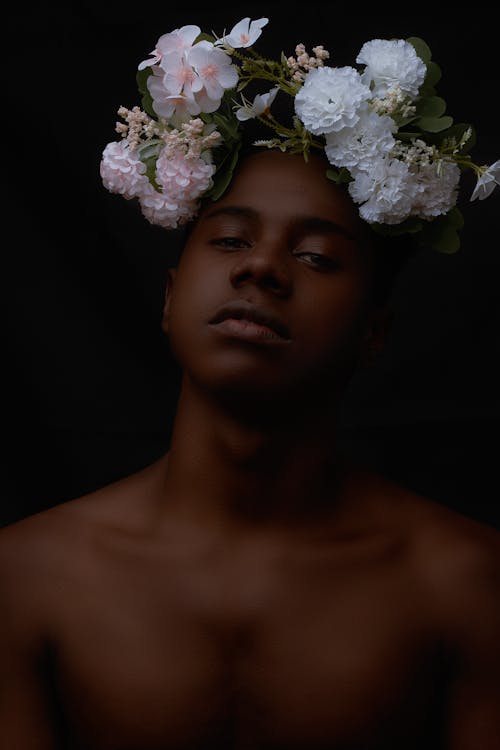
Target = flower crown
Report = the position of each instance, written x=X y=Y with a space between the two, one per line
x=382 y=127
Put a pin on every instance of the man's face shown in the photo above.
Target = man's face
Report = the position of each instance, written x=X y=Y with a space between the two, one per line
x=283 y=243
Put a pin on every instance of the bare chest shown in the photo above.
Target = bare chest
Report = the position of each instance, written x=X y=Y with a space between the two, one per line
x=204 y=658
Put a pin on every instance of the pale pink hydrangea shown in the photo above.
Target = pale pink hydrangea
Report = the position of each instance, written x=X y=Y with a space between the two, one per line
x=159 y=209
x=183 y=181
x=122 y=171
x=391 y=62
x=331 y=99
x=371 y=138
x=386 y=193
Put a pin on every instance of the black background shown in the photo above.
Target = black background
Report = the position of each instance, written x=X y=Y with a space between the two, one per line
x=91 y=386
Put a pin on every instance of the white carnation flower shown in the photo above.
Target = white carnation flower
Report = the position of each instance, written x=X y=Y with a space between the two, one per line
x=331 y=99
x=387 y=192
x=122 y=171
x=183 y=181
x=439 y=183
x=358 y=146
x=390 y=62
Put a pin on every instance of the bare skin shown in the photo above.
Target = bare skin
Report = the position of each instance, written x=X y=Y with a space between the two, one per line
x=252 y=589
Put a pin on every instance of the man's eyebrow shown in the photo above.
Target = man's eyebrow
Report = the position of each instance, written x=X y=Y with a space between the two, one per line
x=323 y=226
x=306 y=222
x=244 y=211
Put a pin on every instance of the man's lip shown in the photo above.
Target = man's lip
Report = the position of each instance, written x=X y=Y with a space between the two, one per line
x=242 y=310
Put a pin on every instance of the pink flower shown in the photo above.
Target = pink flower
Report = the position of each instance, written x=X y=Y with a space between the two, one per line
x=176 y=108
x=183 y=182
x=122 y=171
x=214 y=68
x=176 y=41
x=244 y=33
x=180 y=77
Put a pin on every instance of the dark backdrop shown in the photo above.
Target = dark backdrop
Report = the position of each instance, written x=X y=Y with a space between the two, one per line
x=91 y=386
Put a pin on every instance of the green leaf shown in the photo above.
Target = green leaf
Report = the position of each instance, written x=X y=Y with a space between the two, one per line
x=448 y=242
x=421 y=48
x=147 y=106
x=339 y=176
x=228 y=127
x=432 y=76
x=141 y=78
x=435 y=124
x=151 y=172
x=204 y=37
x=150 y=150
x=402 y=122
x=431 y=106
x=223 y=176
x=147 y=101
x=457 y=132
x=441 y=234
x=407 y=135
x=455 y=218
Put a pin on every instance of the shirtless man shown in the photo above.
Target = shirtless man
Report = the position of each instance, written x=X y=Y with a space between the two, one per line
x=253 y=589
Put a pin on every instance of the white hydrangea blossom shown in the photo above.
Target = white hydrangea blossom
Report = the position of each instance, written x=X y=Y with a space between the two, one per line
x=122 y=171
x=358 y=146
x=386 y=193
x=391 y=62
x=439 y=182
x=331 y=99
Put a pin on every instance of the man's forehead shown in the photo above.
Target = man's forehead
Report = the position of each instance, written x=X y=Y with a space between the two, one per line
x=271 y=180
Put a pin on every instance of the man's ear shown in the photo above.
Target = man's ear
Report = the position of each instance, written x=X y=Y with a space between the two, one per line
x=171 y=273
x=379 y=326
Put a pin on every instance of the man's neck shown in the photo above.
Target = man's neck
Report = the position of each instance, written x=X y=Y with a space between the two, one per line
x=224 y=470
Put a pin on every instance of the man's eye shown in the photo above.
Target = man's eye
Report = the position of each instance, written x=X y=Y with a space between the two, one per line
x=321 y=261
x=230 y=242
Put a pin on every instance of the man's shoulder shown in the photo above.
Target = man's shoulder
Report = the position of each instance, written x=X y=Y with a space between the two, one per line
x=447 y=546
x=58 y=535
x=457 y=558
x=120 y=503
x=446 y=537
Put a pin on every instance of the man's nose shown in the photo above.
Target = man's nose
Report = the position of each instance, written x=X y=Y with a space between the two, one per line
x=265 y=265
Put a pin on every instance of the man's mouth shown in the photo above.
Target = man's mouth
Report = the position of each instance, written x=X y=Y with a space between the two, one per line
x=247 y=320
